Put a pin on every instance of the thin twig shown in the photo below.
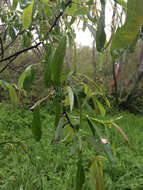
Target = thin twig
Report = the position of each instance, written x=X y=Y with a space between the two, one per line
x=35 y=46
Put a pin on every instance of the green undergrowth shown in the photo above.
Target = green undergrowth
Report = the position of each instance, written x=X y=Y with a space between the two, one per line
x=29 y=165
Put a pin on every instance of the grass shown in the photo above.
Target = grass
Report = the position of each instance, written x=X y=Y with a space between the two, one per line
x=43 y=166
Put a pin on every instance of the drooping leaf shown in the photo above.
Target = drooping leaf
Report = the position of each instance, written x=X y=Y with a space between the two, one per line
x=107 y=147
x=101 y=108
x=122 y=133
x=4 y=84
x=92 y=30
x=12 y=93
x=27 y=39
x=71 y=97
x=59 y=129
x=133 y=43
x=68 y=133
x=96 y=174
x=126 y=34
x=27 y=16
x=12 y=32
x=14 y=4
x=57 y=62
x=57 y=112
x=26 y=78
x=48 y=59
x=36 y=124
x=80 y=175
x=100 y=34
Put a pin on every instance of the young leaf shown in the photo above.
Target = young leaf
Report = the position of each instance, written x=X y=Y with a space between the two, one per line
x=71 y=97
x=126 y=34
x=26 y=78
x=100 y=34
x=36 y=124
x=80 y=176
x=101 y=108
x=57 y=62
x=13 y=95
x=27 y=16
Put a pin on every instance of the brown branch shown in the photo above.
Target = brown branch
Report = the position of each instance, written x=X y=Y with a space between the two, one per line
x=68 y=119
x=15 y=142
x=35 y=46
x=2 y=50
x=7 y=65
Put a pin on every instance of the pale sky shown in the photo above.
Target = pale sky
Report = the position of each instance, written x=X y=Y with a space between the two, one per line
x=85 y=38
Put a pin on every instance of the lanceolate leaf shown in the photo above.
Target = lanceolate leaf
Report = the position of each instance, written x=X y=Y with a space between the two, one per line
x=107 y=147
x=96 y=175
x=80 y=176
x=57 y=62
x=92 y=30
x=4 y=84
x=100 y=34
x=36 y=124
x=27 y=16
x=127 y=33
x=13 y=95
x=71 y=97
x=26 y=78
x=101 y=108
x=14 y=4
x=47 y=74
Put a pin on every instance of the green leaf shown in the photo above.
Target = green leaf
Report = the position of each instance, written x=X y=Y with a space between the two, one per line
x=80 y=175
x=125 y=35
x=57 y=112
x=92 y=30
x=106 y=147
x=100 y=34
x=71 y=97
x=48 y=59
x=13 y=95
x=26 y=78
x=81 y=11
x=14 y=4
x=27 y=16
x=27 y=39
x=36 y=124
x=12 y=32
x=4 y=84
x=59 y=129
x=96 y=174
x=101 y=108
x=68 y=133
x=57 y=62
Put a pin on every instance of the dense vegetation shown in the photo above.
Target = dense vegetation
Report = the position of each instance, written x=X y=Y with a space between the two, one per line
x=25 y=165
x=57 y=127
